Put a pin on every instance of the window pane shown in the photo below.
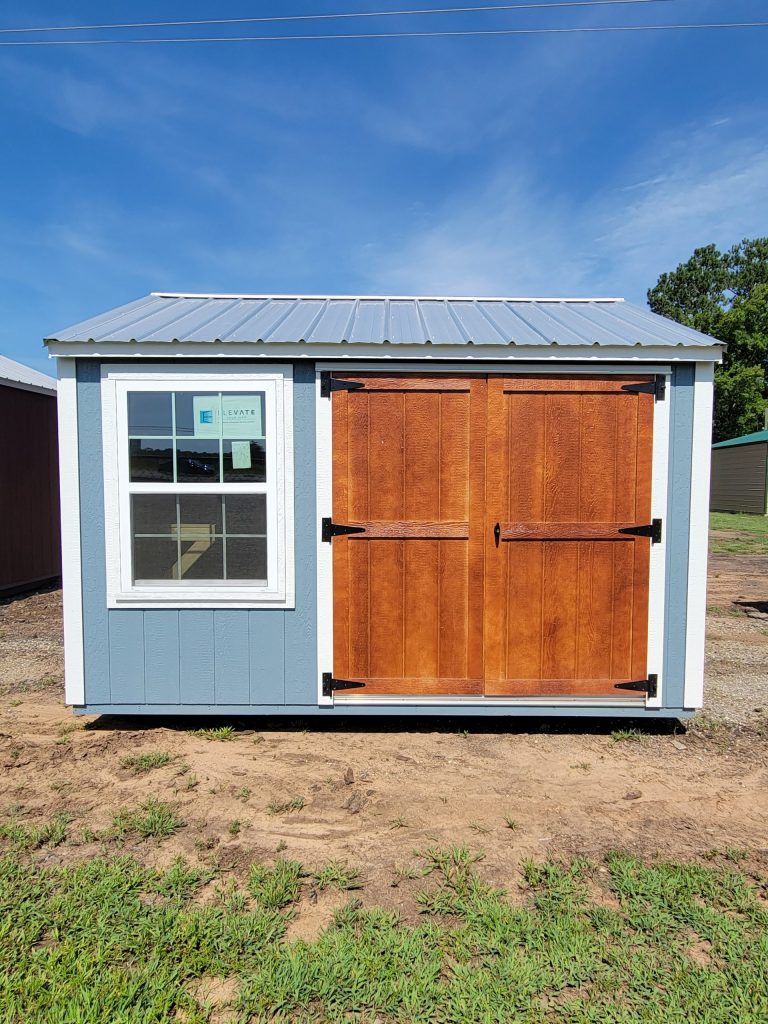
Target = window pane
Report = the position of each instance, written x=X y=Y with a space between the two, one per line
x=243 y=415
x=202 y=558
x=197 y=460
x=154 y=513
x=197 y=414
x=149 y=414
x=200 y=514
x=154 y=558
x=245 y=461
x=151 y=460
x=247 y=559
x=246 y=513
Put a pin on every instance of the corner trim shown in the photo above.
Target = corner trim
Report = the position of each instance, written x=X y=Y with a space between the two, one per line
x=71 y=554
x=696 y=609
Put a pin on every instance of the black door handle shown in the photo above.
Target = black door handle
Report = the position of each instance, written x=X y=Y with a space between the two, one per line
x=497 y=533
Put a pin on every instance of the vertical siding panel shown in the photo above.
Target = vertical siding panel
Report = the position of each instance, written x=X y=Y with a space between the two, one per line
x=677 y=527
x=196 y=661
x=161 y=656
x=301 y=621
x=231 y=656
x=126 y=656
x=96 y=657
x=266 y=638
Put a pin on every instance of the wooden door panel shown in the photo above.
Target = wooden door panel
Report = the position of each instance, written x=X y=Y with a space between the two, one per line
x=408 y=469
x=568 y=469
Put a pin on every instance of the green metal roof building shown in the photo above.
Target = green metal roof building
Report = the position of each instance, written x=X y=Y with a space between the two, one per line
x=740 y=474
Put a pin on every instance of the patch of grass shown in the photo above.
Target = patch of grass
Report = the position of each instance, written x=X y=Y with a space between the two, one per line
x=398 y=822
x=243 y=793
x=285 y=807
x=737 y=533
x=234 y=827
x=139 y=764
x=336 y=875
x=110 y=940
x=741 y=521
x=222 y=733
x=626 y=736
x=276 y=887
x=25 y=837
x=154 y=819
x=510 y=822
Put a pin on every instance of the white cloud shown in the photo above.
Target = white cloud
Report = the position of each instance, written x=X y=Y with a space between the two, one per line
x=507 y=234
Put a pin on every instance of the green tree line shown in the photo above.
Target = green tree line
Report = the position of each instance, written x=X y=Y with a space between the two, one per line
x=725 y=294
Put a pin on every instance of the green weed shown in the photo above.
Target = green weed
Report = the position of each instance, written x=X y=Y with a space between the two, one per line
x=222 y=733
x=626 y=736
x=32 y=837
x=335 y=875
x=278 y=886
x=153 y=819
x=139 y=764
x=286 y=806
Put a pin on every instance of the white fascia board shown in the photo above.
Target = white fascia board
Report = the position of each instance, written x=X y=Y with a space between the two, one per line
x=71 y=567
x=696 y=617
x=386 y=351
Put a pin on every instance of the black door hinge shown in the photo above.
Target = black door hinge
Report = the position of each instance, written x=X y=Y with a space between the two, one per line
x=652 y=530
x=329 y=383
x=330 y=684
x=649 y=685
x=329 y=530
x=656 y=387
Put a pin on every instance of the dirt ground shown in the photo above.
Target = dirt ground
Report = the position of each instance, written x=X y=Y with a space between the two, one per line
x=375 y=792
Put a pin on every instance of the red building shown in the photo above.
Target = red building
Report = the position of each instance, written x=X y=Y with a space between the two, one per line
x=30 y=544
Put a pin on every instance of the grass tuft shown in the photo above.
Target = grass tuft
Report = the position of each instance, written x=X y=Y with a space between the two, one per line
x=626 y=735
x=153 y=819
x=285 y=807
x=139 y=764
x=222 y=733
x=337 y=875
x=32 y=837
x=276 y=887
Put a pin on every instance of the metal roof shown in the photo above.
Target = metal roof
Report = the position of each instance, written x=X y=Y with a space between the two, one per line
x=16 y=374
x=327 y=319
x=759 y=435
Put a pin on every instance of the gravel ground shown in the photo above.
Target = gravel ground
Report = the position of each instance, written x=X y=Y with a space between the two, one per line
x=736 y=683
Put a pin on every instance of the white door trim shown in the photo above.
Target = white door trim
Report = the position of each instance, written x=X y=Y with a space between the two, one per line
x=324 y=478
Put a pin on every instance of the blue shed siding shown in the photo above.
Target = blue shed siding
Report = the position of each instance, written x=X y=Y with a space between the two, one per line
x=229 y=660
x=166 y=658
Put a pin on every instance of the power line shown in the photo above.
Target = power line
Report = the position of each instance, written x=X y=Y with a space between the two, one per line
x=331 y=17
x=388 y=35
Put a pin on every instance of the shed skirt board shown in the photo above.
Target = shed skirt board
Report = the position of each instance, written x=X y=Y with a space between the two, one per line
x=493 y=554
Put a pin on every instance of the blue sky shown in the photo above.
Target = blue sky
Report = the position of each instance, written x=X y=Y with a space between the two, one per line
x=520 y=166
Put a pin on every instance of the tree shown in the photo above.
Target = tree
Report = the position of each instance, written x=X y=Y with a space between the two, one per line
x=725 y=294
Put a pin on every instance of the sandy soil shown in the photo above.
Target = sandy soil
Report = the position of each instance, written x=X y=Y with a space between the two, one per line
x=375 y=792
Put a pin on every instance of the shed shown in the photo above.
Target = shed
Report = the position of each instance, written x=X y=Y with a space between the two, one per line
x=30 y=550
x=360 y=505
x=740 y=474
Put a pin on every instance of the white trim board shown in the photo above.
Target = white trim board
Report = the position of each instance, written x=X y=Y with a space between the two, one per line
x=386 y=351
x=657 y=587
x=71 y=553
x=696 y=612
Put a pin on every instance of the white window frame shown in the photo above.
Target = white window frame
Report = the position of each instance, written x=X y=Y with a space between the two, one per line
x=277 y=384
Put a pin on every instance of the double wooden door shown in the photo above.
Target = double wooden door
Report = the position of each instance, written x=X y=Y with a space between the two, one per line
x=493 y=551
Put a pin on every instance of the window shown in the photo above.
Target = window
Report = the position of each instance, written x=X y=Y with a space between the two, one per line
x=198 y=466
